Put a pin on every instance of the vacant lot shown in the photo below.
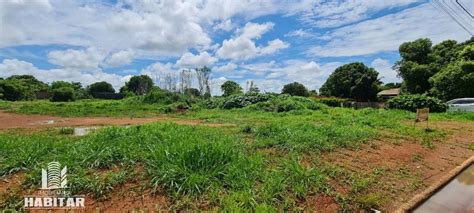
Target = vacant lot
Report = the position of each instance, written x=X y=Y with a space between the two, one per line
x=331 y=159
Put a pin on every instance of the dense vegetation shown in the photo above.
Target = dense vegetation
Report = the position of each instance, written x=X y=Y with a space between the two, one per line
x=256 y=164
x=444 y=70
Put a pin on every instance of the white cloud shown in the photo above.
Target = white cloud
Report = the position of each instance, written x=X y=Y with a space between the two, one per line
x=243 y=46
x=273 y=46
x=89 y=58
x=226 y=68
x=122 y=57
x=299 y=33
x=388 y=32
x=326 y=14
x=189 y=60
x=224 y=26
x=16 y=67
x=386 y=73
x=273 y=75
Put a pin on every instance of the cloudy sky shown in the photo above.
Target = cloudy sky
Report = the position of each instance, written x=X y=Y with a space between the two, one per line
x=272 y=42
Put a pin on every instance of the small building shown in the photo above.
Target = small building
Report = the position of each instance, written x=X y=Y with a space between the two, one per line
x=389 y=93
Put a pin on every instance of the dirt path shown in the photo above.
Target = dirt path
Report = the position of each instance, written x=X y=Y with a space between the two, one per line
x=410 y=158
x=11 y=120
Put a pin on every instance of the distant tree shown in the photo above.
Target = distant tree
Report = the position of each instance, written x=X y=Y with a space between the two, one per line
x=444 y=53
x=454 y=81
x=139 y=85
x=203 y=75
x=416 y=51
x=231 y=88
x=354 y=80
x=391 y=85
x=13 y=90
x=30 y=84
x=192 y=92
x=252 y=89
x=185 y=77
x=313 y=93
x=100 y=87
x=295 y=89
x=59 y=84
x=64 y=93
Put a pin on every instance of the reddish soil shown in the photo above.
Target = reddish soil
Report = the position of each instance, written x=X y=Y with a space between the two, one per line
x=12 y=121
x=404 y=155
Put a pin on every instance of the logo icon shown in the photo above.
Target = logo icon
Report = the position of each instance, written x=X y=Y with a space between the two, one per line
x=53 y=177
x=53 y=193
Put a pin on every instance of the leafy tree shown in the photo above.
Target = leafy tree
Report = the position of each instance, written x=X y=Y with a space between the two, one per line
x=416 y=51
x=100 y=87
x=64 y=93
x=468 y=52
x=295 y=89
x=59 y=84
x=231 y=88
x=13 y=89
x=192 y=92
x=139 y=85
x=445 y=52
x=391 y=86
x=27 y=84
x=354 y=80
x=454 y=81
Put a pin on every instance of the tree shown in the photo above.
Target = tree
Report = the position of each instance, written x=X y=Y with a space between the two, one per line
x=354 y=80
x=192 y=92
x=454 y=81
x=13 y=90
x=24 y=87
x=100 y=87
x=139 y=85
x=252 y=89
x=203 y=75
x=231 y=88
x=64 y=93
x=416 y=51
x=295 y=89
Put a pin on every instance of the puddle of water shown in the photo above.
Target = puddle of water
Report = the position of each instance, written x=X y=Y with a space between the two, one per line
x=456 y=196
x=46 y=122
x=81 y=131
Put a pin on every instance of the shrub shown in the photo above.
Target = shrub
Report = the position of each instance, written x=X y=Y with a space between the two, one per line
x=295 y=89
x=162 y=96
x=285 y=103
x=413 y=102
x=63 y=94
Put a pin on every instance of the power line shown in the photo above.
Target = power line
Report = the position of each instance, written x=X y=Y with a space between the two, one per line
x=467 y=11
x=446 y=9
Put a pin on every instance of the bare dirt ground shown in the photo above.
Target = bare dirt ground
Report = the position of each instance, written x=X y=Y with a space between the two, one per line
x=12 y=121
x=404 y=156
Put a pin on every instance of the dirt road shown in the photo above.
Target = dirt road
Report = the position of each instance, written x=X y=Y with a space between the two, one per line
x=11 y=121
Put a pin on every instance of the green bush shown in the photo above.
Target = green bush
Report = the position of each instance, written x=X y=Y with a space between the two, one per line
x=413 y=102
x=63 y=94
x=162 y=97
x=286 y=103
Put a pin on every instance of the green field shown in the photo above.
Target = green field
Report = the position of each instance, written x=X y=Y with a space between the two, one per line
x=254 y=163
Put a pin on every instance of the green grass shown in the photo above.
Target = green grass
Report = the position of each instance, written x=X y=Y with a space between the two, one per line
x=255 y=165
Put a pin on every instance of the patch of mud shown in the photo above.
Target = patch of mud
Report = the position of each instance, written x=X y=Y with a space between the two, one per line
x=21 y=121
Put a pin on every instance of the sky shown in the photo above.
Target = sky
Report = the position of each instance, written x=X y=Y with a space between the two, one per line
x=269 y=42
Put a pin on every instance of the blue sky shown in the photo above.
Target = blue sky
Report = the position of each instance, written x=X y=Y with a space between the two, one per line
x=266 y=41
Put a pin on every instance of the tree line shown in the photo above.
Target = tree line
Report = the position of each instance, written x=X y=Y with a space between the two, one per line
x=444 y=71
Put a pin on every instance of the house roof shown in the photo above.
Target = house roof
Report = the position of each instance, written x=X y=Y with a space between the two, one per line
x=395 y=91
